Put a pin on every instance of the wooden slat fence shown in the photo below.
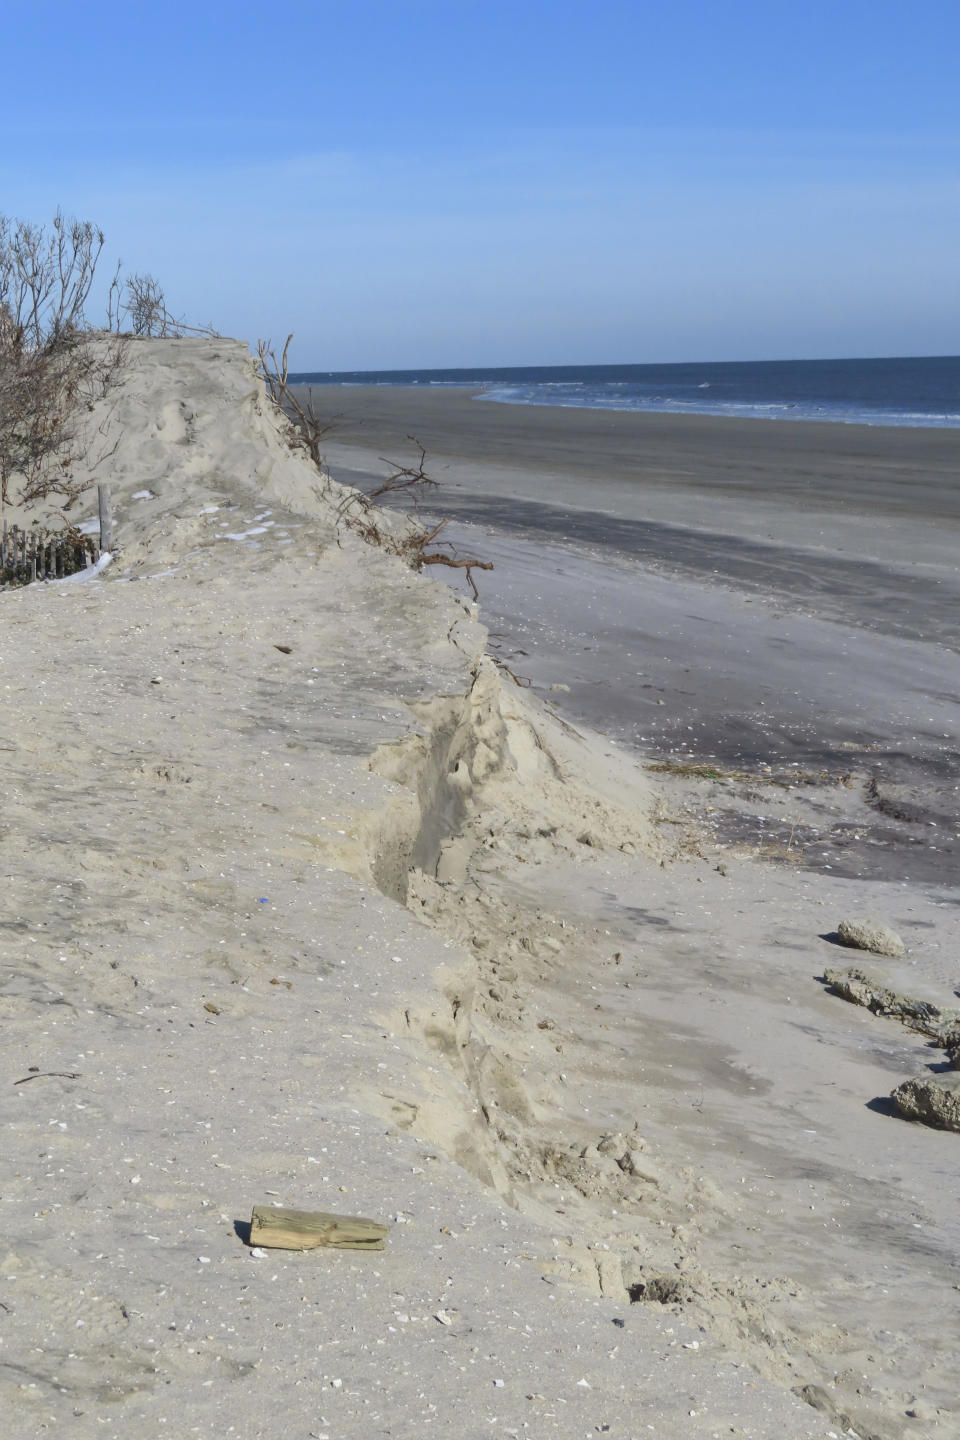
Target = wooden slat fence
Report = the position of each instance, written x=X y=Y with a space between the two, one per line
x=37 y=554
x=28 y=555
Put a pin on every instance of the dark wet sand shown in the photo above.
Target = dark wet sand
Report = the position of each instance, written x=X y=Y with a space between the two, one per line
x=749 y=592
x=846 y=468
x=853 y=523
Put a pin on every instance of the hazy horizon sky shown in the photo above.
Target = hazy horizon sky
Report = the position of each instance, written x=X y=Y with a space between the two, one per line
x=441 y=184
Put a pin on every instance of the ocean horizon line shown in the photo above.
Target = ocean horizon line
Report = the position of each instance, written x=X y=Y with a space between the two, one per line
x=303 y=376
x=908 y=390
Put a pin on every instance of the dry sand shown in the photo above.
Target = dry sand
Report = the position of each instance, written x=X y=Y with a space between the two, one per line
x=305 y=903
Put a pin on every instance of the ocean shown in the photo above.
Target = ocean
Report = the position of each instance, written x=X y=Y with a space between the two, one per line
x=913 y=391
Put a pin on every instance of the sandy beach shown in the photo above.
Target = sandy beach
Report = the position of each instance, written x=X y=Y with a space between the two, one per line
x=751 y=592
x=655 y=465
x=775 y=600
x=309 y=904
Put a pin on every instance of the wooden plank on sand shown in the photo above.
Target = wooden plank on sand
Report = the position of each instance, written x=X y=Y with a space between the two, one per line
x=280 y=1229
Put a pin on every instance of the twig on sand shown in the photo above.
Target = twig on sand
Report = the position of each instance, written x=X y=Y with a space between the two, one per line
x=45 y=1074
x=523 y=681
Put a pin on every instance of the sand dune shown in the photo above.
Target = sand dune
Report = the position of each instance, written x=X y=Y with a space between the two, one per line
x=306 y=903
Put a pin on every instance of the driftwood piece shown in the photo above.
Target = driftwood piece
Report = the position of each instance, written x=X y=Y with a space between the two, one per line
x=309 y=1229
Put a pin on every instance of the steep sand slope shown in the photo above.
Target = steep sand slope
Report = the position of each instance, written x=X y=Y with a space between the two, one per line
x=825 y=1245
x=214 y=997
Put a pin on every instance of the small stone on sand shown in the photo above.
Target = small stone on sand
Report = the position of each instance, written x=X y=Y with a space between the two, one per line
x=870 y=935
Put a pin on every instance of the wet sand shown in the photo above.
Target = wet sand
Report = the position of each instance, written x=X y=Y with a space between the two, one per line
x=830 y=464
x=746 y=592
x=855 y=522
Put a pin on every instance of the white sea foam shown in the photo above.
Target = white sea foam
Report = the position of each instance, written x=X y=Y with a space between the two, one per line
x=918 y=391
x=610 y=396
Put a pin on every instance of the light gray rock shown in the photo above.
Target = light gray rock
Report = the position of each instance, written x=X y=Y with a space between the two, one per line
x=934 y=1100
x=855 y=985
x=870 y=935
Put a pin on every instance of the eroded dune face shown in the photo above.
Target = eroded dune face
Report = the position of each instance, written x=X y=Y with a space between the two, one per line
x=308 y=905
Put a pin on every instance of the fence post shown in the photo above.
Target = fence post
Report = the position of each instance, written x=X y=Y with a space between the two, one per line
x=106 y=518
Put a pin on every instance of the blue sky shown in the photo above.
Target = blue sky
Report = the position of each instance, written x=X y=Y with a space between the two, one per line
x=409 y=183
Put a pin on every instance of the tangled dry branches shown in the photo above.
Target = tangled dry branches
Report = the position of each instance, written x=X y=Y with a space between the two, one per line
x=309 y=427
x=410 y=541
x=52 y=370
x=139 y=299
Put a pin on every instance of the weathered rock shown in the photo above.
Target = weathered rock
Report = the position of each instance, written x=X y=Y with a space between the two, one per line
x=635 y=1163
x=933 y=1100
x=860 y=988
x=869 y=935
x=612 y=1144
x=949 y=1038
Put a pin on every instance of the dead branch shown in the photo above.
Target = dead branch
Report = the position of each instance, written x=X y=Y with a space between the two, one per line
x=523 y=681
x=406 y=479
x=358 y=510
x=438 y=558
x=311 y=429
x=412 y=545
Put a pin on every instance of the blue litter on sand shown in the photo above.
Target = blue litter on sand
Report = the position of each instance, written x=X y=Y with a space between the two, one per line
x=263 y=900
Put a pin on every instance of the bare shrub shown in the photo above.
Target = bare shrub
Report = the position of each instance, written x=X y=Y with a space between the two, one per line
x=140 y=298
x=52 y=369
x=46 y=276
x=146 y=306
x=411 y=542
